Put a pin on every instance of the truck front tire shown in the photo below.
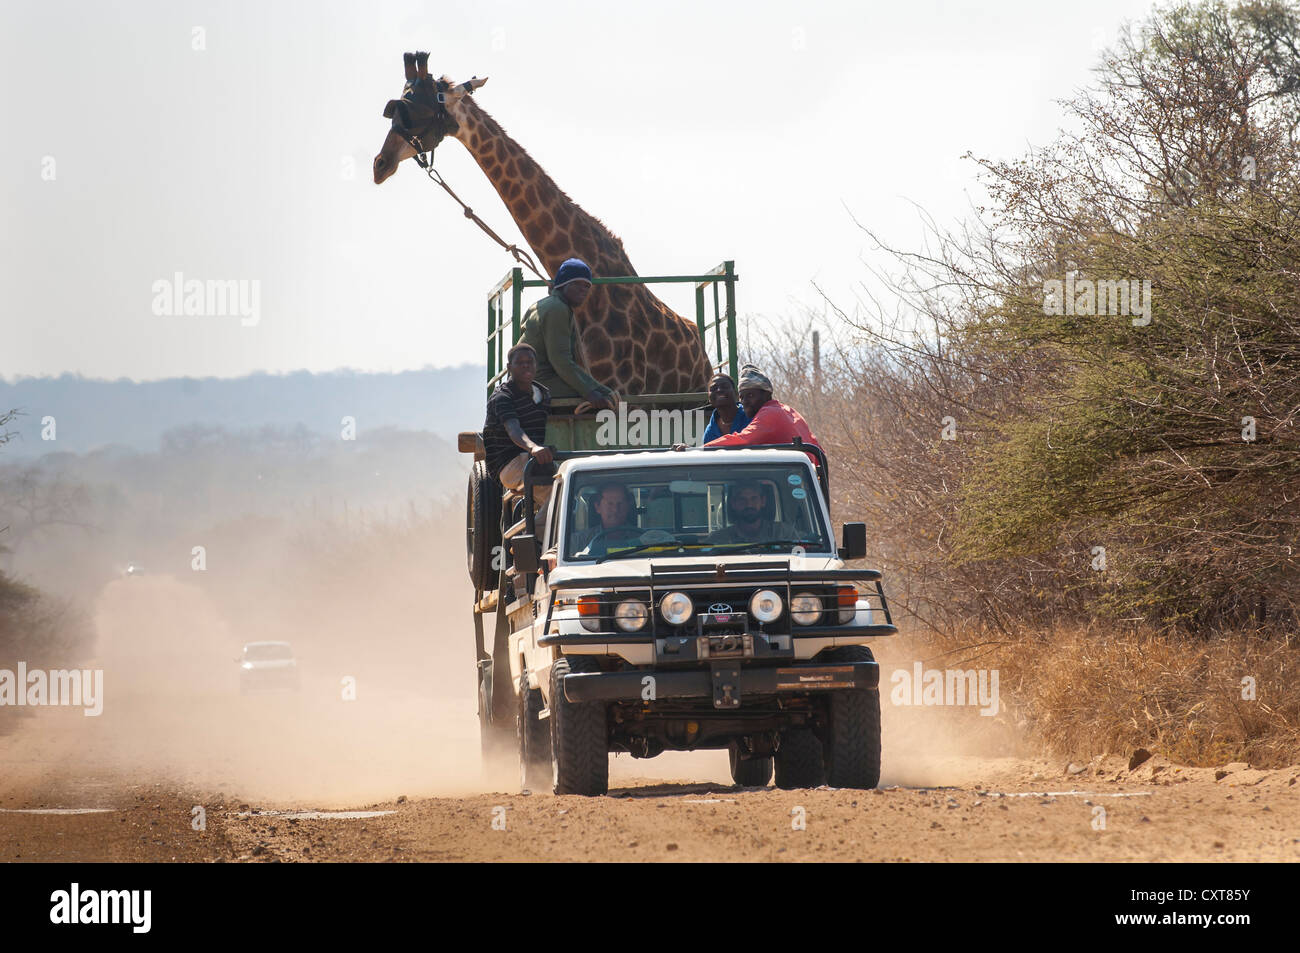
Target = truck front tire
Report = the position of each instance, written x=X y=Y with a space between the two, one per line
x=852 y=738
x=579 y=744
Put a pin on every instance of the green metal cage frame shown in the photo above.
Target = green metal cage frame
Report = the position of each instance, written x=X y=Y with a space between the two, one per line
x=724 y=313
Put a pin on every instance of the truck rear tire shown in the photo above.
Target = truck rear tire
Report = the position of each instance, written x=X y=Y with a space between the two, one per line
x=749 y=772
x=495 y=739
x=579 y=743
x=798 y=760
x=852 y=742
x=534 y=739
x=482 y=526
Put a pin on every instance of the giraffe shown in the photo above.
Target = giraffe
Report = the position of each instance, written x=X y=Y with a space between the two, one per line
x=632 y=341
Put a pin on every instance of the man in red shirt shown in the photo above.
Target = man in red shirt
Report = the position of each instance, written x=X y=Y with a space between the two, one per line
x=770 y=421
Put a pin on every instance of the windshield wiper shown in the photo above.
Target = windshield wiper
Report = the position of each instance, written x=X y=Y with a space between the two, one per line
x=783 y=543
x=675 y=544
x=729 y=547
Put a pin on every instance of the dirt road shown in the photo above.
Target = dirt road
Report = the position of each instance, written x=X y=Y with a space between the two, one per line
x=990 y=809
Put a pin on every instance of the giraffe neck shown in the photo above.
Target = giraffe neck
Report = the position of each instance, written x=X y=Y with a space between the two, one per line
x=555 y=226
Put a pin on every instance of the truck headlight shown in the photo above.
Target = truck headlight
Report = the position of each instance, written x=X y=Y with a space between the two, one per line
x=676 y=608
x=631 y=615
x=765 y=605
x=805 y=608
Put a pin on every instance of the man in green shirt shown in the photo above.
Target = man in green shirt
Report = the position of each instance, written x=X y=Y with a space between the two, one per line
x=550 y=329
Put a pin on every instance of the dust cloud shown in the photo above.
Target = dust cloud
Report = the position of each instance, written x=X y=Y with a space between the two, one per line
x=386 y=705
x=939 y=745
x=174 y=710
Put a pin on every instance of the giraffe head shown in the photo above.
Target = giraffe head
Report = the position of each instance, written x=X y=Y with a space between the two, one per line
x=424 y=114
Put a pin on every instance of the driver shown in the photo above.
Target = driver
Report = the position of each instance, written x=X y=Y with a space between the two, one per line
x=615 y=508
x=749 y=524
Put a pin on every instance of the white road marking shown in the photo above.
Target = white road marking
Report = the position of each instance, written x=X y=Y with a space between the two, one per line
x=1064 y=794
x=315 y=815
x=58 y=810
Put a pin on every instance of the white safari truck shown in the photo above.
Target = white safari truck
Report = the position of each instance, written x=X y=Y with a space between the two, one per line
x=681 y=628
x=660 y=619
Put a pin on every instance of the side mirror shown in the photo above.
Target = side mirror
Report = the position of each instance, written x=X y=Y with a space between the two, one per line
x=527 y=553
x=855 y=541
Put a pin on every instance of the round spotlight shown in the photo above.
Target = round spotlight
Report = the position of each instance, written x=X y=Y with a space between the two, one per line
x=676 y=608
x=765 y=606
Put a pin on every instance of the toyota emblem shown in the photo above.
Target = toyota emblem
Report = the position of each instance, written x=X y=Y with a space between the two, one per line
x=719 y=607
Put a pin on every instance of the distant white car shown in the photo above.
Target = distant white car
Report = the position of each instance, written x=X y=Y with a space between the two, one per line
x=133 y=569
x=268 y=667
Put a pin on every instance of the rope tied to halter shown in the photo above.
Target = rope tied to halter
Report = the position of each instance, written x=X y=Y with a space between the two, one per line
x=519 y=254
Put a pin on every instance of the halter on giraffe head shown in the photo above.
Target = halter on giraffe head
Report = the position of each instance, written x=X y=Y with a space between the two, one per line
x=424 y=113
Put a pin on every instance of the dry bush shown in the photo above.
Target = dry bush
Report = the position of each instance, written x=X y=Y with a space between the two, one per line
x=881 y=417
x=42 y=630
x=1091 y=691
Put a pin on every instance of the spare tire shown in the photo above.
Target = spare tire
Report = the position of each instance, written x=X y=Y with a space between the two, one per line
x=482 y=526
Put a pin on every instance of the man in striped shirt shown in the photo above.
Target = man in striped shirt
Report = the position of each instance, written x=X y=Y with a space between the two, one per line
x=515 y=427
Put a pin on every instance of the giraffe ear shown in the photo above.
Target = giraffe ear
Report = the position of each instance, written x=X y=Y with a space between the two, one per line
x=391 y=109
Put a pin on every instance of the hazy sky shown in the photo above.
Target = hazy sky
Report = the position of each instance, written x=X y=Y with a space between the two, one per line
x=696 y=131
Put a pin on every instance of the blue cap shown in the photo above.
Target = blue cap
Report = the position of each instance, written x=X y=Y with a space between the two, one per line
x=572 y=270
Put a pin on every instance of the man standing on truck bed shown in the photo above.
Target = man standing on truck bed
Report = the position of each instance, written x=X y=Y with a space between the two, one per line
x=515 y=428
x=550 y=329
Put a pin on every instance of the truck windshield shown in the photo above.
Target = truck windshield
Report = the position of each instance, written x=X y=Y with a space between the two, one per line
x=712 y=508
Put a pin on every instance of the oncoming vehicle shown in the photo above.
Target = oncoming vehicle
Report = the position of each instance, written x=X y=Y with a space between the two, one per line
x=268 y=667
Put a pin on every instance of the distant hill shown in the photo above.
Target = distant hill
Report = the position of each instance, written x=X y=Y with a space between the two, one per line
x=93 y=413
